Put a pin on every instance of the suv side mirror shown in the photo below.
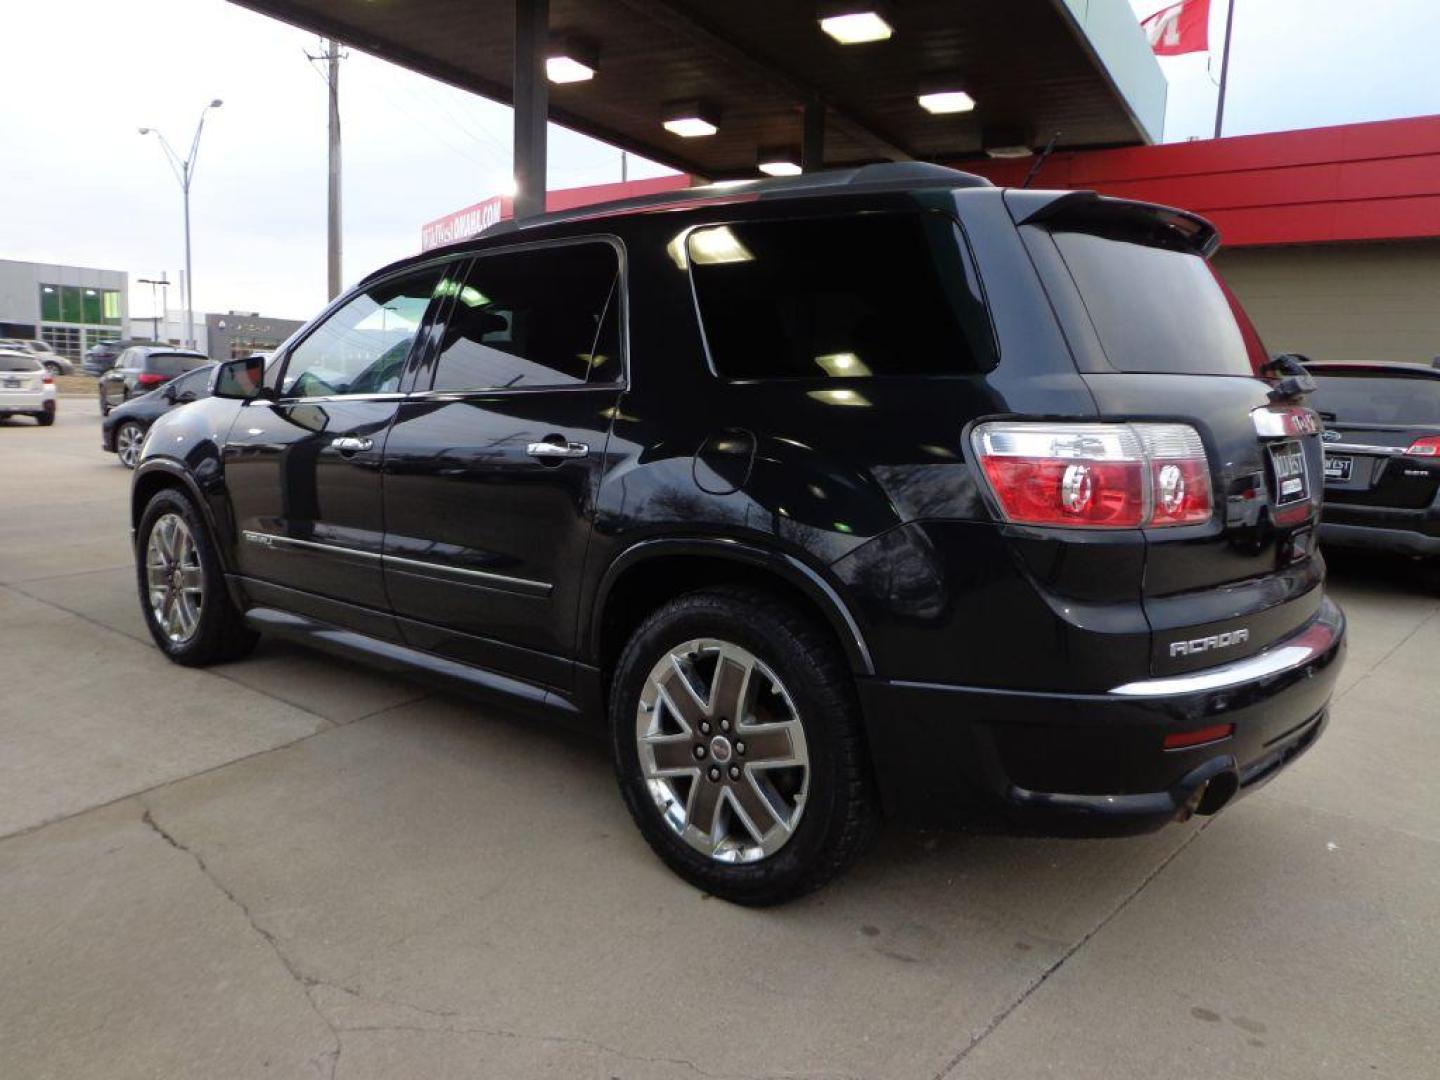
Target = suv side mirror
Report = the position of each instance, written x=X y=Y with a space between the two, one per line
x=242 y=379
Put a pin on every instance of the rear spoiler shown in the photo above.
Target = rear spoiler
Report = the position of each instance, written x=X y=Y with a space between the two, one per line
x=1119 y=219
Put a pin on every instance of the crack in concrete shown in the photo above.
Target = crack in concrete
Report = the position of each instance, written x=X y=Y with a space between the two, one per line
x=1004 y=1014
x=448 y=1022
x=305 y=981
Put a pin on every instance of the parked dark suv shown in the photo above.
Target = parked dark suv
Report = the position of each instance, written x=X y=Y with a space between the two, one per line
x=882 y=489
x=143 y=368
x=1382 y=456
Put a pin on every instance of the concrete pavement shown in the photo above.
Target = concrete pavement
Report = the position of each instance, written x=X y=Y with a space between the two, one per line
x=294 y=867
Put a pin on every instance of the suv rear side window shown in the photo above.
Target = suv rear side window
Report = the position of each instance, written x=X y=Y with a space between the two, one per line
x=1406 y=401
x=842 y=297
x=173 y=364
x=543 y=317
x=1157 y=309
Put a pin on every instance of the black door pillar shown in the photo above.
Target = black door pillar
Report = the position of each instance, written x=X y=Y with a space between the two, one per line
x=812 y=147
x=532 y=105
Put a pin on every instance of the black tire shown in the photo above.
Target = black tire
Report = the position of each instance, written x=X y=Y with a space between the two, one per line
x=53 y=368
x=46 y=418
x=221 y=633
x=840 y=814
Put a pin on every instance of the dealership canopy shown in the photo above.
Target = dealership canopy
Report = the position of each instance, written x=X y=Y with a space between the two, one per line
x=722 y=89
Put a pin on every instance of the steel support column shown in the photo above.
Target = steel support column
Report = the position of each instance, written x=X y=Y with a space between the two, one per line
x=532 y=105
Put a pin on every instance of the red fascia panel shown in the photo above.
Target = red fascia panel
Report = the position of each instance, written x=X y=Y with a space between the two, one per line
x=571 y=198
x=1378 y=181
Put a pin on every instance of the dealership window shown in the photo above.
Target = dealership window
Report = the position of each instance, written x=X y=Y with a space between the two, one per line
x=63 y=339
x=110 y=307
x=545 y=317
x=50 y=303
x=96 y=336
x=839 y=298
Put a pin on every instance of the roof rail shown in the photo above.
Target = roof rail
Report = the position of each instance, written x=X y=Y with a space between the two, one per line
x=884 y=176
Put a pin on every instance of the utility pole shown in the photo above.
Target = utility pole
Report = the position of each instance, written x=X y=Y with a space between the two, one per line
x=184 y=169
x=332 y=56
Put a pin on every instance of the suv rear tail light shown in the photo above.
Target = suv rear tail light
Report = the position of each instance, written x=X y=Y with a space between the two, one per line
x=149 y=379
x=1425 y=446
x=1118 y=476
x=48 y=379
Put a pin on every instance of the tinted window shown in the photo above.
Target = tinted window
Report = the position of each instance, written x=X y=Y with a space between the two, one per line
x=174 y=363
x=19 y=363
x=1157 y=309
x=1377 y=399
x=547 y=317
x=877 y=294
x=361 y=348
x=196 y=383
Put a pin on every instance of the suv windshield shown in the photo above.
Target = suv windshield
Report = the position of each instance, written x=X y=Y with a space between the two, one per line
x=173 y=363
x=1362 y=398
x=1156 y=303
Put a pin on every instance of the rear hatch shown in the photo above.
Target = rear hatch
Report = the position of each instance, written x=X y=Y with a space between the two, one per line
x=1158 y=337
x=21 y=374
x=1382 y=437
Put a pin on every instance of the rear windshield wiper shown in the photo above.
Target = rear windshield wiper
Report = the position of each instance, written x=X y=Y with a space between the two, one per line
x=1294 y=382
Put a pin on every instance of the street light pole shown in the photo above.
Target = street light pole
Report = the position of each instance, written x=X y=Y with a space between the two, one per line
x=184 y=169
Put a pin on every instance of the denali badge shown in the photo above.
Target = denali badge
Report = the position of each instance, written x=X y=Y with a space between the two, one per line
x=1205 y=644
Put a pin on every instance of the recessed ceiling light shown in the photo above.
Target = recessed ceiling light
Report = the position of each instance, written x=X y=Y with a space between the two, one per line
x=778 y=161
x=566 y=69
x=570 y=60
x=946 y=101
x=780 y=168
x=856 y=27
x=691 y=120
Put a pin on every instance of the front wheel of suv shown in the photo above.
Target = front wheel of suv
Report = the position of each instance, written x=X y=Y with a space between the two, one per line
x=187 y=607
x=736 y=738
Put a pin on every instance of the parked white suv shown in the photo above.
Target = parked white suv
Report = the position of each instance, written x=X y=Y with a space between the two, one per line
x=26 y=387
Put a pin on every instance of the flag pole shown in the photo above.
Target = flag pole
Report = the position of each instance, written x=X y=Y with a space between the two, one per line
x=1224 y=70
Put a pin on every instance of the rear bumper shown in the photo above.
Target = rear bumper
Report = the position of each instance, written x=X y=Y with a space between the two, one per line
x=1096 y=763
x=34 y=402
x=1406 y=532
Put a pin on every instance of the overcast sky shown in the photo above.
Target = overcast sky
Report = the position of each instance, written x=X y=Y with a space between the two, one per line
x=79 y=184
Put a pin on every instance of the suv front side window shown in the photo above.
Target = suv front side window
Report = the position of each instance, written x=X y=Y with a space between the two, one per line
x=544 y=317
x=361 y=347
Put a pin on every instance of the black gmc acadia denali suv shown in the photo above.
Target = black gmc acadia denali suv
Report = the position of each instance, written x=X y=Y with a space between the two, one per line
x=873 y=490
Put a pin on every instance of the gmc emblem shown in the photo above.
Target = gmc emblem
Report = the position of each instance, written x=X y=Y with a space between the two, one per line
x=1206 y=644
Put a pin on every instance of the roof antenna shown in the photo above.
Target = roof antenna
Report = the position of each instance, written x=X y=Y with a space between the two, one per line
x=1040 y=161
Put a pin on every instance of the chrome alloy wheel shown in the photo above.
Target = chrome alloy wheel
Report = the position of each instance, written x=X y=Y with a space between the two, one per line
x=722 y=751
x=175 y=578
x=128 y=441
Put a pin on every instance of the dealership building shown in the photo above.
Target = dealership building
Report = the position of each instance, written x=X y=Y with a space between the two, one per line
x=71 y=307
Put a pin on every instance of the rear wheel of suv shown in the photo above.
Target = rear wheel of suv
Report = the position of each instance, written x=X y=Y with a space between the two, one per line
x=736 y=738
x=187 y=607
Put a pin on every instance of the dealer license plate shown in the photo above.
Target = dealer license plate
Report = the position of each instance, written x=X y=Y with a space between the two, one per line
x=1338 y=468
x=1290 y=481
x=12 y=384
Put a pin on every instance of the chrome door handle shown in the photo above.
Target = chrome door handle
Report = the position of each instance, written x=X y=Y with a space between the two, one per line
x=352 y=444
x=555 y=450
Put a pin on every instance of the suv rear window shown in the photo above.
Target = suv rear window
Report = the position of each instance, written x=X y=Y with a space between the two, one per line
x=174 y=363
x=1403 y=400
x=19 y=363
x=1157 y=309
x=874 y=294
